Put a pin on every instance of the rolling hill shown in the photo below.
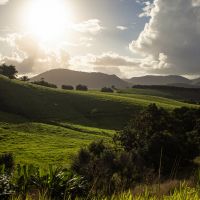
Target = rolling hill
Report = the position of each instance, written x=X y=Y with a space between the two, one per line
x=47 y=126
x=184 y=94
x=158 y=80
x=61 y=77
x=90 y=108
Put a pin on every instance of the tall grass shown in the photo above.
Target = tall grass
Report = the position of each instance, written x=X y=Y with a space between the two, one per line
x=184 y=192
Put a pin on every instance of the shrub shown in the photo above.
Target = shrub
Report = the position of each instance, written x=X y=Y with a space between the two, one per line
x=24 y=78
x=105 y=89
x=67 y=87
x=82 y=87
x=105 y=169
x=42 y=82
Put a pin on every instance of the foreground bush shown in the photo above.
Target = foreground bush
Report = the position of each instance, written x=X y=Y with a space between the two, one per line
x=54 y=183
x=106 y=169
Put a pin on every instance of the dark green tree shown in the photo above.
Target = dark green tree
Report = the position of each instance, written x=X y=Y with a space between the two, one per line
x=24 y=78
x=8 y=70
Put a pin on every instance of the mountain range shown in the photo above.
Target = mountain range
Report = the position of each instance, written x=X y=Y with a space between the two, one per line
x=96 y=80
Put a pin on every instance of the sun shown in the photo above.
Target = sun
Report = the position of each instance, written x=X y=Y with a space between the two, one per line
x=48 y=19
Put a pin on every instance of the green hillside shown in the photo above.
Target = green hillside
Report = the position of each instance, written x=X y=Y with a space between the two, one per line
x=94 y=109
x=180 y=94
x=43 y=144
x=48 y=126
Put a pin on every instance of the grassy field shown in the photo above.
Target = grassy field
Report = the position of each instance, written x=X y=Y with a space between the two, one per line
x=181 y=94
x=43 y=144
x=56 y=123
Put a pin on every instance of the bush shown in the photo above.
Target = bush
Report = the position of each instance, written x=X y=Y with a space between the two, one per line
x=82 y=87
x=24 y=78
x=105 y=169
x=105 y=89
x=67 y=87
x=42 y=82
x=7 y=162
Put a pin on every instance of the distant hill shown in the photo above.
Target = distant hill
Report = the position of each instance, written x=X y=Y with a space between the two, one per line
x=196 y=81
x=92 y=80
x=159 y=80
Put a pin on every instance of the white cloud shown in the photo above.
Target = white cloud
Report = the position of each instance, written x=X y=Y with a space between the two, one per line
x=122 y=28
x=113 y=59
x=170 y=41
x=146 y=11
x=109 y=63
x=92 y=26
x=29 y=56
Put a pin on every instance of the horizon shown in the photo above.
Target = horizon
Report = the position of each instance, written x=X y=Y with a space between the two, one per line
x=153 y=75
x=133 y=40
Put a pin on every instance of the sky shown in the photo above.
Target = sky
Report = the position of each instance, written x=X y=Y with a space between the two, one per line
x=123 y=37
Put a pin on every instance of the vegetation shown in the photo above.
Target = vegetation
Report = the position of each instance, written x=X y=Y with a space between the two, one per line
x=82 y=87
x=48 y=126
x=43 y=144
x=105 y=89
x=191 y=95
x=155 y=143
x=42 y=82
x=67 y=87
x=8 y=70
x=24 y=78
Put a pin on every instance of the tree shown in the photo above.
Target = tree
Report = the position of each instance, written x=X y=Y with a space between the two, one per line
x=105 y=89
x=82 y=87
x=156 y=133
x=8 y=70
x=67 y=87
x=42 y=82
x=24 y=78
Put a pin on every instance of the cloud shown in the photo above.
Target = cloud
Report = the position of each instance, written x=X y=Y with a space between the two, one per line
x=92 y=26
x=29 y=56
x=146 y=10
x=113 y=59
x=170 y=41
x=3 y=2
x=122 y=28
x=109 y=63
x=83 y=41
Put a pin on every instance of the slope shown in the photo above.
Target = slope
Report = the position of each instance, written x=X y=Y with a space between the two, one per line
x=93 y=109
x=42 y=144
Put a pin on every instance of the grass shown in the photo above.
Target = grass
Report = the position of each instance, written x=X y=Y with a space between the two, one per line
x=183 y=192
x=180 y=94
x=43 y=144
